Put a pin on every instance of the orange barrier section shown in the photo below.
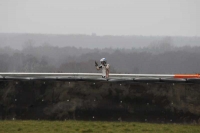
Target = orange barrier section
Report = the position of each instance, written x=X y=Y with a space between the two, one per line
x=187 y=76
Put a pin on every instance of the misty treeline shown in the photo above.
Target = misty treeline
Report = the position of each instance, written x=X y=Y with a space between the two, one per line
x=18 y=40
x=159 y=57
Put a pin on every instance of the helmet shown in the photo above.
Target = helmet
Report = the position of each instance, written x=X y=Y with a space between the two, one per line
x=103 y=59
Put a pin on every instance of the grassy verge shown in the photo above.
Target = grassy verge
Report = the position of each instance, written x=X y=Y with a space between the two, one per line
x=89 y=127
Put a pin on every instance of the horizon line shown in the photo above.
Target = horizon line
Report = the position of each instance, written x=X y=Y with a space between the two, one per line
x=95 y=34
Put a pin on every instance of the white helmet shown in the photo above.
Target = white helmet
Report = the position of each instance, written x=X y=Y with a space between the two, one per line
x=103 y=59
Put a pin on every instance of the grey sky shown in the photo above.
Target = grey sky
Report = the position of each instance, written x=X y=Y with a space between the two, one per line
x=103 y=17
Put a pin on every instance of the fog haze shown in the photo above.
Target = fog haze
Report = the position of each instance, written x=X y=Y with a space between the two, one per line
x=103 y=17
x=136 y=36
x=18 y=41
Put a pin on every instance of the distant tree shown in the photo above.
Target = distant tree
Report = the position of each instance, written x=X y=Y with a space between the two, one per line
x=30 y=63
x=4 y=62
x=166 y=44
x=16 y=62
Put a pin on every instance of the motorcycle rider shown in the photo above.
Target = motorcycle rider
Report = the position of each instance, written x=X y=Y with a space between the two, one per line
x=104 y=66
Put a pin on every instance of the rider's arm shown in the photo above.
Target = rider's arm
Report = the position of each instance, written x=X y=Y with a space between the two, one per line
x=98 y=67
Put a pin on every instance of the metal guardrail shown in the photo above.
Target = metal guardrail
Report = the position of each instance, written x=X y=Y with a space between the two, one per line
x=84 y=74
x=166 y=78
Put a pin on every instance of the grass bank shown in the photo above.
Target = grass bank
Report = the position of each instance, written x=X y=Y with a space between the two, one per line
x=90 y=126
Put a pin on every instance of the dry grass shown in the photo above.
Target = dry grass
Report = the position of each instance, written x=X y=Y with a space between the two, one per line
x=90 y=126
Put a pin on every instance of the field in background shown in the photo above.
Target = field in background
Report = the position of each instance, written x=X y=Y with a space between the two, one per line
x=91 y=126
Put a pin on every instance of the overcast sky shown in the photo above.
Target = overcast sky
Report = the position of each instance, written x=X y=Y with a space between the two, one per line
x=103 y=17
